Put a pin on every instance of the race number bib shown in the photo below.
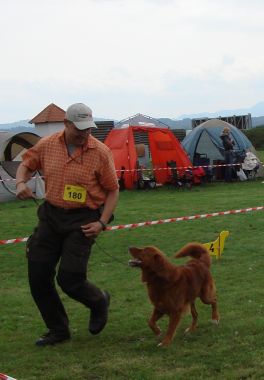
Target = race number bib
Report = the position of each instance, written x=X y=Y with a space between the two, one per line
x=74 y=193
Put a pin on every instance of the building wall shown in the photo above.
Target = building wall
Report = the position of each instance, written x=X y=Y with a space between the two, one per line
x=46 y=129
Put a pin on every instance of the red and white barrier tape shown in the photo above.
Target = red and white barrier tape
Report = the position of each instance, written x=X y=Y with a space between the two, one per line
x=176 y=168
x=151 y=169
x=5 y=377
x=11 y=241
x=154 y=222
x=171 y=220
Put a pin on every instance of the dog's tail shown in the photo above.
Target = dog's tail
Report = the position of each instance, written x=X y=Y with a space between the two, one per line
x=197 y=251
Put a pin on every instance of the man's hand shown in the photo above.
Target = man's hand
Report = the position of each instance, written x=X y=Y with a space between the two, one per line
x=23 y=192
x=92 y=229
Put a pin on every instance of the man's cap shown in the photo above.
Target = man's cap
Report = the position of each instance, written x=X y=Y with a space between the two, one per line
x=80 y=115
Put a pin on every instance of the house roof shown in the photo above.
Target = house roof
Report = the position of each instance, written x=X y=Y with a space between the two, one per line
x=51 y=113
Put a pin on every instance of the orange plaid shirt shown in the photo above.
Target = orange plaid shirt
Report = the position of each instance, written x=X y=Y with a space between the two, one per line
x=90 y=166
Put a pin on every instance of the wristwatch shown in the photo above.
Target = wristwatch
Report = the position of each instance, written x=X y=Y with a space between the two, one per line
x=103 y=224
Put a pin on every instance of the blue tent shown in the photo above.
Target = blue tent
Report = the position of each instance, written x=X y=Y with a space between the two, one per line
x=204 y=145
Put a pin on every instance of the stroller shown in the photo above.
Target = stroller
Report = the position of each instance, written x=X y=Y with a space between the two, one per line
x=250 y=165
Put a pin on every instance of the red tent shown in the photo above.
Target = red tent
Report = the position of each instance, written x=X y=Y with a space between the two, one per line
x=164 y=147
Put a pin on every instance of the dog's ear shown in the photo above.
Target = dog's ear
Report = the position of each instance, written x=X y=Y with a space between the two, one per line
x=155 y=265
x=163 y=268
x=151 y=250
x=158 y=263
x=158 y=258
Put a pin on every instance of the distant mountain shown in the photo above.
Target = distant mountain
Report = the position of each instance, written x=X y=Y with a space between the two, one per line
x=177 y=124
x=257 y=121
x=16 y=130
x=182 y=122
x=22 y=124
x=255 y=111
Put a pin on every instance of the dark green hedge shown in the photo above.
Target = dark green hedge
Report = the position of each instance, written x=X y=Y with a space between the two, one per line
x=256 y=136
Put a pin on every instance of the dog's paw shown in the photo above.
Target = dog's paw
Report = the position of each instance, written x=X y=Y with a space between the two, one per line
x=157 y=332
x=215 y=322
x=164 y=344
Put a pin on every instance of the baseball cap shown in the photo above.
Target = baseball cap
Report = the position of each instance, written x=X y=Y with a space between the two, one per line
x=80 y=115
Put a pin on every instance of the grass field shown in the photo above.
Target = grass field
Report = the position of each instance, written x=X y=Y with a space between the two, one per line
x=261 y=155
x=127 y=349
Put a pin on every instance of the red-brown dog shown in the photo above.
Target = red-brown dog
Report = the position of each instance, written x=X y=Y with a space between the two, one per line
x=173 y=289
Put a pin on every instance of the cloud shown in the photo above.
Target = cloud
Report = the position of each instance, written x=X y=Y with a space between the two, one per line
x=161 y=57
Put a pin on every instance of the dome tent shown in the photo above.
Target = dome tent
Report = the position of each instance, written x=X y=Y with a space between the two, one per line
x=205 y=139
x=204 y=145
x=12 y=146
x=163 y=147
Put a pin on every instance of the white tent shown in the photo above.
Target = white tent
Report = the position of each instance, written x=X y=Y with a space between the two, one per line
x=12 y=146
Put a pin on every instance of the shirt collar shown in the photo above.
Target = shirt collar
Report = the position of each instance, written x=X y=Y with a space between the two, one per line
x=90 y=143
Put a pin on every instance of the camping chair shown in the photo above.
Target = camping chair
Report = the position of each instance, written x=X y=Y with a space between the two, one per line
x=187 y=178
x=179 y=181
x=204 y=161
x=145 y=181
x=198 y=175
x=174 y=178
x=121 y=180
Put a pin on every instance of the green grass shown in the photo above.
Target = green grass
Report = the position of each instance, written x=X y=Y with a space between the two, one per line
x=127 y=349
x=260 y=154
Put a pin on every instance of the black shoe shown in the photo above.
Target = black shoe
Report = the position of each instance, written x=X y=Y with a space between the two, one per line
x=99 y=315
x=51 y=338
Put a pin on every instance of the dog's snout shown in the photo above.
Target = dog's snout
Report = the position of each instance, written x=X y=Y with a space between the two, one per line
x=134 y=250
x=130 y=250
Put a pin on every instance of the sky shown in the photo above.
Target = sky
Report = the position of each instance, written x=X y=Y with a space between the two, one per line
x=161 y=58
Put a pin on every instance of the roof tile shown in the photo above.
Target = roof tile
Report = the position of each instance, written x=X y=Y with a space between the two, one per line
x=51 y=113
